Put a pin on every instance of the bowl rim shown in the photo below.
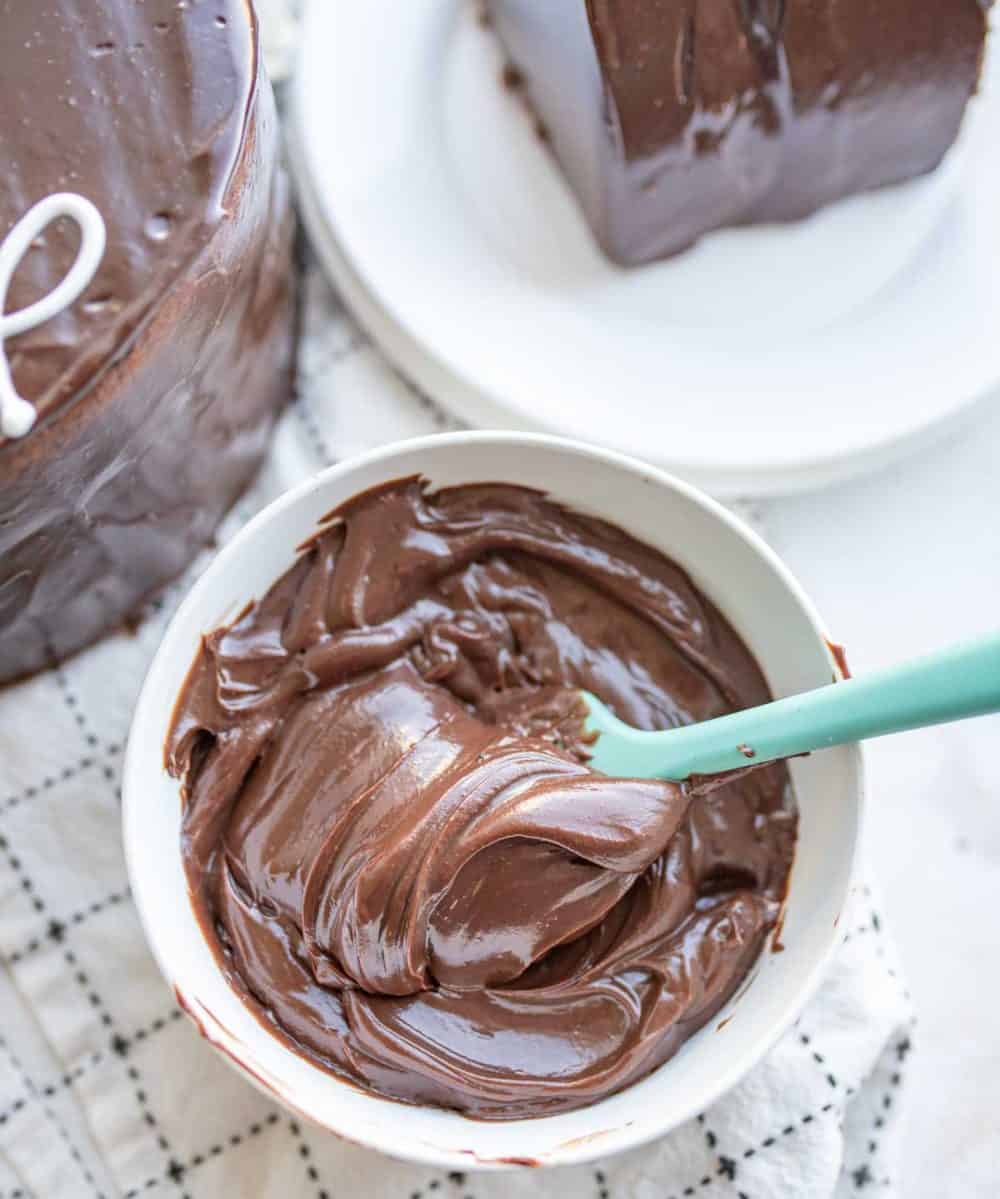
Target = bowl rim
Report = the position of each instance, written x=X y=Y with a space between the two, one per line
x=135 y=768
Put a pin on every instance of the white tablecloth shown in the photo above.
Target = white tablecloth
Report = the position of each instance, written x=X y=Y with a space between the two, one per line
x=900 y=563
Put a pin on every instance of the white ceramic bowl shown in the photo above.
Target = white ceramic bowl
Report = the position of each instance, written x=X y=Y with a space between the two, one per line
x=764 y=603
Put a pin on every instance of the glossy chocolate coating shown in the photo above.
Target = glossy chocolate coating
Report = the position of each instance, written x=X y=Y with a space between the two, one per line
x=675 y=117
x=391 y=836
x=157 y=391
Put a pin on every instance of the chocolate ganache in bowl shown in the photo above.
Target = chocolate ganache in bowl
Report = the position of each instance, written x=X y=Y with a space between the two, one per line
x=392 y=839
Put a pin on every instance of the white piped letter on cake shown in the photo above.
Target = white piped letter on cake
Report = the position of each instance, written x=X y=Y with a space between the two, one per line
x=17 y=415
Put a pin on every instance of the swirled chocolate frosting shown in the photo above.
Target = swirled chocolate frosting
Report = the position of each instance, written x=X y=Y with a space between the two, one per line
x=391 y=834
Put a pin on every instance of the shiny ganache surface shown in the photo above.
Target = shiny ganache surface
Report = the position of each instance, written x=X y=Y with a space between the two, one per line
x=391 y=835
x=157 y=391
x=141 y=109
x=675 y=117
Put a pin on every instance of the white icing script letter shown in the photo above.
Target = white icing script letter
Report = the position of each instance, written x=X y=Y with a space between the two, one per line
x=17 y=415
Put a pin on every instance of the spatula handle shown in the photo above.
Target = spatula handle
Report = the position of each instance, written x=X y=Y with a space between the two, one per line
x=958 y=682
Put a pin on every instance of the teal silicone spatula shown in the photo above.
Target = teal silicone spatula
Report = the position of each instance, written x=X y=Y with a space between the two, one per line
x=955 y=683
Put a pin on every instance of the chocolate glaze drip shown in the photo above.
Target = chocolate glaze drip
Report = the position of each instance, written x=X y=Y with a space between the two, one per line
x=675 y=117
x=156 y=392
x=391 y=835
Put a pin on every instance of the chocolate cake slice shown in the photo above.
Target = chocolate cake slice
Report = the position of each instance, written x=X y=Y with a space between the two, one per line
x=675 y=117
x=155 y=393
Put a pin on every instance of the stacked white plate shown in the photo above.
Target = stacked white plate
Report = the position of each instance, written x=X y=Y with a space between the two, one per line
x=763 y=361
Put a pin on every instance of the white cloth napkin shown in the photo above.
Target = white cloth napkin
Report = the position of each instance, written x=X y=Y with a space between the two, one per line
x=106 y=1090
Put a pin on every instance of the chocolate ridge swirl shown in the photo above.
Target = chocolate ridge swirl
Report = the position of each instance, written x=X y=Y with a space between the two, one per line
x=392 y=837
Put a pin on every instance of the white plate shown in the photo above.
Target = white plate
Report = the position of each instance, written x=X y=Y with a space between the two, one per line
x=764 y=603
x=765 y=360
